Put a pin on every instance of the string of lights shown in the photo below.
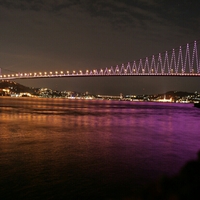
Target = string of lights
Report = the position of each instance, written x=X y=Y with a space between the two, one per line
x=182 y=61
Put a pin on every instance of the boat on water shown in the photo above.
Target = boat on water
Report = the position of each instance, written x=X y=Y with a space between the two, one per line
x=197 y=104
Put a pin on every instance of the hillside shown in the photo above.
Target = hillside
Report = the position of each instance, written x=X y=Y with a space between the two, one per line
x=178 y=93
x=15 y=87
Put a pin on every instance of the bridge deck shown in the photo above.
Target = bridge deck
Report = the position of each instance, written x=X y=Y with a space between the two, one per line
x=27 y=76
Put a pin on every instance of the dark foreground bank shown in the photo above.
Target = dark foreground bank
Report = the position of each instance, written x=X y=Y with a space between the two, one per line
x=184 y=185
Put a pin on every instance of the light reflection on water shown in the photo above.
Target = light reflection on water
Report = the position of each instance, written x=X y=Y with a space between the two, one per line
x=54 y=148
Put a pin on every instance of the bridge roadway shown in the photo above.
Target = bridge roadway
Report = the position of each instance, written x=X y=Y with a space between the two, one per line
x=62 y=75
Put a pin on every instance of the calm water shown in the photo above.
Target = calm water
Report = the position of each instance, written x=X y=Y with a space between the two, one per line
x=70 y=149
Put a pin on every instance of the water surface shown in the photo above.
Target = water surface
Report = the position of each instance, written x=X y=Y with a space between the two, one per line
x=69 y=149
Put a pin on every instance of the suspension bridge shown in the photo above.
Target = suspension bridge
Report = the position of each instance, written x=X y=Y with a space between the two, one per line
x=183 y=61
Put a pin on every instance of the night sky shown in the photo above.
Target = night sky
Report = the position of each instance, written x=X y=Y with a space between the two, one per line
x=50 y=35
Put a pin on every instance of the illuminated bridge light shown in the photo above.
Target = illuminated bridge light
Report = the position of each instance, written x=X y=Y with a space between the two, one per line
x=51 y=73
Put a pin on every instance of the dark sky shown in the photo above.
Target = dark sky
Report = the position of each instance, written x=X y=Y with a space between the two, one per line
x=50 y=35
